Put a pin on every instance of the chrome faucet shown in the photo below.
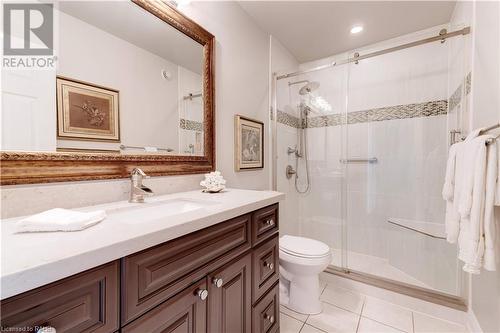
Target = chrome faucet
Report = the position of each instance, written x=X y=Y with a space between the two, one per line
x=138 y=191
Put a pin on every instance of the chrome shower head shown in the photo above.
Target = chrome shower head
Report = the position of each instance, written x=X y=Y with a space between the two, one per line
x=309 y=87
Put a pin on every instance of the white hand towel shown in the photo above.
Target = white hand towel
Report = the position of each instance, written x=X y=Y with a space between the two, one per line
x=449 y=179
x=477 y=228
x=452 y=188
x=489 y=229
x=59 y=219
x=474 y=162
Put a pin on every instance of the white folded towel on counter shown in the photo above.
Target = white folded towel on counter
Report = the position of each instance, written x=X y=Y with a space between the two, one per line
x=59 y=219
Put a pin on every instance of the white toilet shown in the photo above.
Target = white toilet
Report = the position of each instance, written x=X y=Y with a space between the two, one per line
x=301 y=261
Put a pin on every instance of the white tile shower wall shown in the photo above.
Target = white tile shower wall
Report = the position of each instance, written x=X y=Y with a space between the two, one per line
x=411 y=154
x=242 y=75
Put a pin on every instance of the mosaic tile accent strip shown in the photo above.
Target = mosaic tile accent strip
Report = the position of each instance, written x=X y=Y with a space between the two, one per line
x=324 y=121
x=414 y=110
x=456 y=98
x=287 y=119
x=468 y=83
x=191 y=125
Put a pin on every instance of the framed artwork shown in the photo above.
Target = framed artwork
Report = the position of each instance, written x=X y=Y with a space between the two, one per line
x=249 y=143
x=86 y=111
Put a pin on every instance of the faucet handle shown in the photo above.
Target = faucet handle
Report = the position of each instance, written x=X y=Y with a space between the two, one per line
x=138 y=172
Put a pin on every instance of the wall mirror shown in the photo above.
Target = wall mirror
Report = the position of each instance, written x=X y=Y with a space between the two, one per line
x=132 y=86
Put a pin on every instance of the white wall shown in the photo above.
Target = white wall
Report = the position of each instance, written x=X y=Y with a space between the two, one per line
x=485 y=111
x=241 y=78
x=242 y=81
x=148 y=102
x=190 y=109
x=282 y=61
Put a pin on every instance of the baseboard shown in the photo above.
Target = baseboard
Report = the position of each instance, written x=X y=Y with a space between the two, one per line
x=472 y=323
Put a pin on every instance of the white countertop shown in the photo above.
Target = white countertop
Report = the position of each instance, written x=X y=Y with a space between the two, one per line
x=31 y=260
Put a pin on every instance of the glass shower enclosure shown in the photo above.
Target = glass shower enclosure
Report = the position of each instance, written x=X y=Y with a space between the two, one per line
x=368 y=142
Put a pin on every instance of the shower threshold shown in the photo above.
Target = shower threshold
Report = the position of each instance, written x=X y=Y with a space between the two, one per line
x=425 y=294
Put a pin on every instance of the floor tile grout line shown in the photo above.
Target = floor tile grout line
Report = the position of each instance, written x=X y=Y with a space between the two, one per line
x=399 y=329
x=301 y=327
x=448 y=321
x=307 y=316
x=320 y=329
x=339 y=307
x=359 y=318
x=300 y=321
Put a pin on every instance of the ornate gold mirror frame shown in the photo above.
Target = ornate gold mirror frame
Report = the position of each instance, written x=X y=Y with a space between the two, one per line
x=45 y=167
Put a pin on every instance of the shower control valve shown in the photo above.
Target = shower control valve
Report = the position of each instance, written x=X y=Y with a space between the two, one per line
x=290 y=172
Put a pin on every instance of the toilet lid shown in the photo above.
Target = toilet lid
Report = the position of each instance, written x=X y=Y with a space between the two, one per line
x=303 y=247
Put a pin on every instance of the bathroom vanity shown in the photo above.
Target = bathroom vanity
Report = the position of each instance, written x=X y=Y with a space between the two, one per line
x=216 y=271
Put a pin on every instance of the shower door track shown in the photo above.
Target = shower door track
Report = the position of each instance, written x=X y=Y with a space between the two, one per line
x=442 y=36
x=425 y=294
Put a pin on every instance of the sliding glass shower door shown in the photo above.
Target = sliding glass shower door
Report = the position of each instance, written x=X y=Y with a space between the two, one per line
x=361 y=155
x=397 y=143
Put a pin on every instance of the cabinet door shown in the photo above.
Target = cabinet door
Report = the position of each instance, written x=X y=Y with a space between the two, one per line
x=184 y=313
x=230 y=300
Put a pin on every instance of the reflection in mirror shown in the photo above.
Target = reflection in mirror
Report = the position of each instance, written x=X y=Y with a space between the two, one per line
x=116 y=88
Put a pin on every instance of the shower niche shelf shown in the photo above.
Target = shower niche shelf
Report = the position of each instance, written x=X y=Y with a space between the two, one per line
x=434 y=230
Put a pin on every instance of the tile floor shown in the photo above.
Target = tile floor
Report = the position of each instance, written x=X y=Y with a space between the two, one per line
x=350 y=312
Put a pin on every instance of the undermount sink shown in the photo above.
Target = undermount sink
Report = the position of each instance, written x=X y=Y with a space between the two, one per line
x=136 y=212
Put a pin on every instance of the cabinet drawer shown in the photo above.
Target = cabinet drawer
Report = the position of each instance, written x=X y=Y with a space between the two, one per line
x=264 y=223
x=87 y=302
x=184 y=313
x=266 y=315
x=265 y=267
x=154 y=275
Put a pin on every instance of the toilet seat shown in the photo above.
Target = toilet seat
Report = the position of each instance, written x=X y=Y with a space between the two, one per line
x=303 y=247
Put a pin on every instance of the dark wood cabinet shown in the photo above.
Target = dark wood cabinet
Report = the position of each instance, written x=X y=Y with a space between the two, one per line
x=186 y=312
x=230 y=297
x=221 y=279
x=86 y=302
x=265 y=267
x=154 y=275
x=265 y=223
x=265 y=315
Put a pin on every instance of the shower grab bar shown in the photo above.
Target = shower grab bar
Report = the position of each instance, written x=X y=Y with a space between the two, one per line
x=371 y=160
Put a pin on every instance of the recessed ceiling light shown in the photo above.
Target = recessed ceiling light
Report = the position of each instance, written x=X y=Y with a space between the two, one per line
x=356 y=29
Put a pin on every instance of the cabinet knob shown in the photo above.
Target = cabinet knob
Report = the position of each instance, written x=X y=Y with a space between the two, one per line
x=270 y=318
x=270 y=222
x=218 y=282
x=269 y=265
x=202 y=294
